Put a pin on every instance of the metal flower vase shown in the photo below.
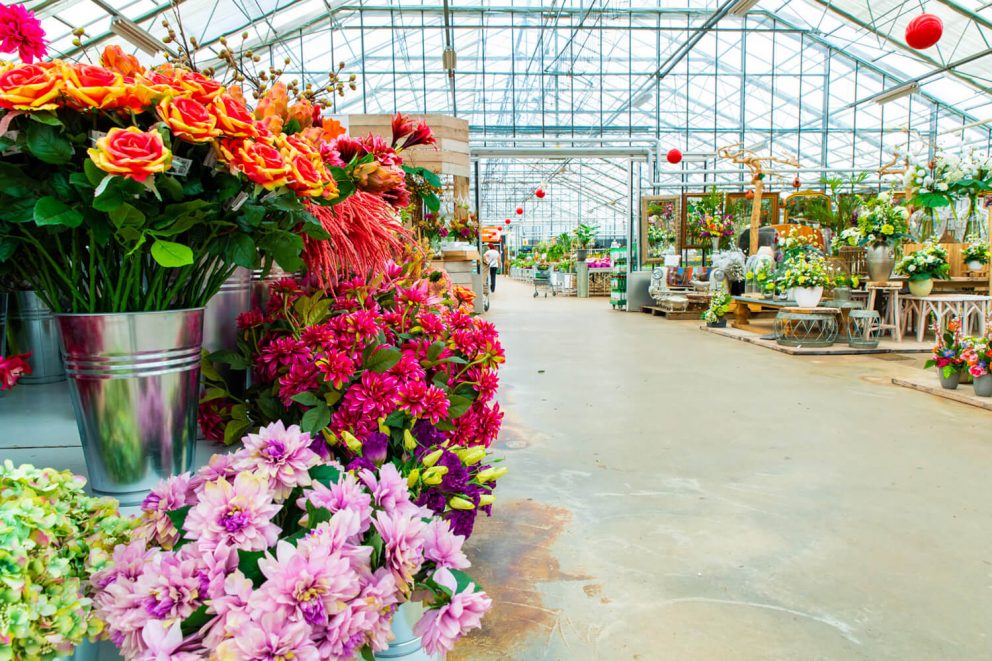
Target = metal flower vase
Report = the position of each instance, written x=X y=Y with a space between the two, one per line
x=880 y=261
x=134 y=380
x=983 y=385
x=406 y=644
x=31 y=328
x=220 y=323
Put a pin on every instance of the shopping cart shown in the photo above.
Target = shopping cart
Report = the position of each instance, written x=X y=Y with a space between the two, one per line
x=542 y=281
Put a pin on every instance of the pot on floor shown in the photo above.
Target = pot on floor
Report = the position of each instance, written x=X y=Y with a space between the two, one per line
x=949 y=381
x=983 y=385
x=134 y=381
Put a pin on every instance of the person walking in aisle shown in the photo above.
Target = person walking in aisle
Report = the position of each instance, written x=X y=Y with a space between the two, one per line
x=492 y=259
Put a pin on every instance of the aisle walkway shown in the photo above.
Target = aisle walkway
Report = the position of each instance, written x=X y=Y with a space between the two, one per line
x=677 y=495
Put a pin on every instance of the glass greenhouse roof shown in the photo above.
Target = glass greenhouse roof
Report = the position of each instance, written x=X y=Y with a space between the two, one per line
x=791 y=77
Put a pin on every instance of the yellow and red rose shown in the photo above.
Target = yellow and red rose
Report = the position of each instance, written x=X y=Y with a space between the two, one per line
x=89 y=86
x=309 y=178
x=198 y=86
x=30 y=87
x=188 y=119
x=131 y=153
x=233 y=117
x=262 y=163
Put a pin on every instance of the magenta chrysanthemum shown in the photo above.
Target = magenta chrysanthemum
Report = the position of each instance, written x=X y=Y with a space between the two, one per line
x=21 y=32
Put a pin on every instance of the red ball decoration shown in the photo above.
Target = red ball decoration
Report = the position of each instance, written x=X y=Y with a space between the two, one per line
x=796 y=183
x=749 y=195
x=520 y=211
x=507 y=221
x=924 y=31
x=539 y=193
x=674 y=156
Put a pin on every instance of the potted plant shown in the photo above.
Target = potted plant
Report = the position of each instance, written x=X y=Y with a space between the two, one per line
x=53 y=538
x=272 y=552
x=882 y=226
x=947 y=356
x=976 y=255
x=807 y=276
x=585 y=234
x=130 y=197
x=977 y=354
x=923 y=266
x=714 y=315
x=841 y=285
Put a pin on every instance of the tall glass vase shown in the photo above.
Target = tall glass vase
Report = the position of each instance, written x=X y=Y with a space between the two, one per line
x=924 y=224
x=976 y=221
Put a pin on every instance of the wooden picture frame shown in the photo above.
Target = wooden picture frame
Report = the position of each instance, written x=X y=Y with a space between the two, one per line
x=798 y=208
x=742 y=212
x=671 y=224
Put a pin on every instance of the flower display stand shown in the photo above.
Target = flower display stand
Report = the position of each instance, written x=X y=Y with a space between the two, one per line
x=806 y=327
x=971 y=309
x=892 y=317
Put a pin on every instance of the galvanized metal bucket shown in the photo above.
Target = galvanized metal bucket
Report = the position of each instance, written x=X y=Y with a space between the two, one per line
x=406 y=644
x=260 y=285
x=134 y=380
x=220 y=327
x=31 y=328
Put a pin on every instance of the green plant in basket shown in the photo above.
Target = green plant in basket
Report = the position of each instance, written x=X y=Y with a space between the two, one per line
x=719 y=307
x=928 y=262
x=976 y=251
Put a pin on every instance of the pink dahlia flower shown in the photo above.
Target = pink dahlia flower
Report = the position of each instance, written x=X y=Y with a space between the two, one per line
x=439 y=628
x=403 y=542
x=347 y=494
x=162 y=644
x=281 y=454
x=443 y=547
x=365 y=620
x=308 y=584
x=389 y=490
x=155 y=525
x=238 y=514
x=268 y=637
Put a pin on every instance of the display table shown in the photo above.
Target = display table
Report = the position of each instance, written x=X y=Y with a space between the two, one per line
x=971 y=309
x=746 y=305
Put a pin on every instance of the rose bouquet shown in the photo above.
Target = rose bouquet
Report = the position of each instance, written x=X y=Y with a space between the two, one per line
x=930 y=261
x=386 y=371
x=272 y=553
x=52 y=539
x=881 y=223
x=128 y=189
x=947 y=353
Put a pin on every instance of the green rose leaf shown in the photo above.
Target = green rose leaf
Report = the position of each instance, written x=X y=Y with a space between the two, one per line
x=243 y=251
x=171 y=255
x=127 y=216
x=52 y=211
x=48 y=144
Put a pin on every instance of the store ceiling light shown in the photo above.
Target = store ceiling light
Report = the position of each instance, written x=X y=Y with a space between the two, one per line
x=742 y=7
x=897 y=93
x=136 y=36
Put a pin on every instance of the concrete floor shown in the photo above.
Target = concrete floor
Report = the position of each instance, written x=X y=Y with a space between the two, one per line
x=678 y=495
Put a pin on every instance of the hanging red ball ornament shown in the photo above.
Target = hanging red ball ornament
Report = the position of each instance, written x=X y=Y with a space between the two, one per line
x=924 y=31
x=674 y=156
x=520 y=211
x=749 y=195
x=539 y=193
x=796 y=183
x=507 y=221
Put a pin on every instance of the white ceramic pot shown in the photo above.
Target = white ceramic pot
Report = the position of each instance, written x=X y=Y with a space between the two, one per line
x=975 y=265
x=921 y=287
x=808 y=297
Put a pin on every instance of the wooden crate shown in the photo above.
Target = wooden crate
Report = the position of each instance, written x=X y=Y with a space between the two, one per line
x=954 y=257
x=599 y=283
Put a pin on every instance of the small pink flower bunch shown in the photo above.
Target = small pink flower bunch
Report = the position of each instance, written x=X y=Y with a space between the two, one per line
x=977 y=355
x=12 y=368
x=21 y=32
x=271 y=552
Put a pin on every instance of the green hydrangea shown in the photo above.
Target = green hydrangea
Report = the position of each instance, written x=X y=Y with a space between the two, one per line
x=52 y=538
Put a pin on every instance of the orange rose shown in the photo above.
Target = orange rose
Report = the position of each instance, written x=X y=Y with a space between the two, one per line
x=198 y=86
x=188 y=119
x=233 y=117
x=235 y=92
x=161 y=80
x=115 y=59
x=88 y=86
x=131 y=153
x=261 y=163
x=274 y=103
x=290 y=145
x=273 y=124
x=30 y=87
x=302 y=112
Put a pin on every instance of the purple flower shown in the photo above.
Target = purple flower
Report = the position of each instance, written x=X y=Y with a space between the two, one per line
x=433 y=499
x=238 y=514
x=456 y=479
x=439 y=628
x=462 y=521
x=427 y=434
x=374 y=447
x=282 y=455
